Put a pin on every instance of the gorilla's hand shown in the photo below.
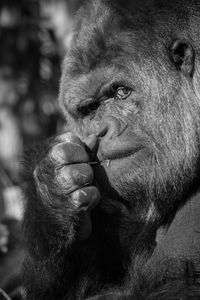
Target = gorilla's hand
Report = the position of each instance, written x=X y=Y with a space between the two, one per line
x=64 y=185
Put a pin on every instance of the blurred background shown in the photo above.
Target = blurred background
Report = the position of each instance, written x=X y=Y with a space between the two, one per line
x=34 y=37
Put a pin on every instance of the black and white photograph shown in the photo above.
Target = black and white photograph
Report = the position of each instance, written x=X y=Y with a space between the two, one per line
x=99 y=149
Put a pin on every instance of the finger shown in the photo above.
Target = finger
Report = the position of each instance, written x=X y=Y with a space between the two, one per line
x=86 y=198
x=70 y=178
x=91 y=142
x=68 y=153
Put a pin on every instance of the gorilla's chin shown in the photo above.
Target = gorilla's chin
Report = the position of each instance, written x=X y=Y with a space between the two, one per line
x=122 y=178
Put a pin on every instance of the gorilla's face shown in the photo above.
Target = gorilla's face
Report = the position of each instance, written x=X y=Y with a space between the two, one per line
x=132 y=85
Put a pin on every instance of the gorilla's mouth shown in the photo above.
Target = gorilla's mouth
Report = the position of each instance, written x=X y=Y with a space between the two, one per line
x=109 y=172
x=118 y=155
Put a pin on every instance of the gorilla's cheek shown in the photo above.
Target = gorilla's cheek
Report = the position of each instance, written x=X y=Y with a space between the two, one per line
x=113 y=176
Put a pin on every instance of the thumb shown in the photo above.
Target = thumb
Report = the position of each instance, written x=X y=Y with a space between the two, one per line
x=92 y=142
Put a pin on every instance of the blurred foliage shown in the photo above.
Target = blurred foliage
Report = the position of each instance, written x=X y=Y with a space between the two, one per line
x=30 y=59
x=34 y=36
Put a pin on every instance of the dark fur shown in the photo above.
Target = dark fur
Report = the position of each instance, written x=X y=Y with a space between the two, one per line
x=171 y=279
x=131 y=42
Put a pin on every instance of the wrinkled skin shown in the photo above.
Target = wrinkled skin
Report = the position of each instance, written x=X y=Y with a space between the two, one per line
x=130 y=156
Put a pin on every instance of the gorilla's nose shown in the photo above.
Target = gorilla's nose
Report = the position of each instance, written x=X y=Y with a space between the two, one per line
x=110 y=128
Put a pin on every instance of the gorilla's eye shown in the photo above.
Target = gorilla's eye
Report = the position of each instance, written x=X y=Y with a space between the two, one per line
x=116 y=92
x=120 y=92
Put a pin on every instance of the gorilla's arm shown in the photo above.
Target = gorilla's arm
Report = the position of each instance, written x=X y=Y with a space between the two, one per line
x=57 y=218
x=167 y=274
x=168 y=279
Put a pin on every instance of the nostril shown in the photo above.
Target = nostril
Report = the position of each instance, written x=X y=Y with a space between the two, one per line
x=111 y=127
x=102 y=130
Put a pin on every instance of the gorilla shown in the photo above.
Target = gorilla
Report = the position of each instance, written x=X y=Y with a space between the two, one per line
x=112 y=204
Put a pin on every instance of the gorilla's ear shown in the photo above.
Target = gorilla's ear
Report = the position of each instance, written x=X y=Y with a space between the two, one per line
x=183 y=55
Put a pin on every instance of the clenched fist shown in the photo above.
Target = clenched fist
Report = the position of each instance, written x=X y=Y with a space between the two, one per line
x=64 y=184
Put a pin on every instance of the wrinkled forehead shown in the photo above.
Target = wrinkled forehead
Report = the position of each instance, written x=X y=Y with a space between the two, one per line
x=109 y=33
x=133 y=15
x=105 y=30
x=112 y=42
x=103 y=34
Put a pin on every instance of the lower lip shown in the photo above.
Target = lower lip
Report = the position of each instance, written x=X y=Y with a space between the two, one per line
x=119 y=157
x=109 y=162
